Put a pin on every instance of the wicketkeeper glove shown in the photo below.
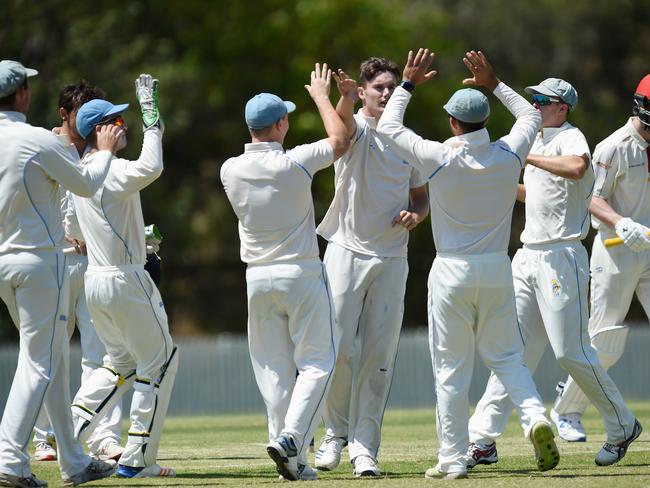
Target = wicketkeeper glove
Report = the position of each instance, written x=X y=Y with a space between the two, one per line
x=153 y=237
x=146 y=90
x=634 y=235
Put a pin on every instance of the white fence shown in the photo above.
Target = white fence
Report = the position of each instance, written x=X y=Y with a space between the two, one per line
x=215 y=374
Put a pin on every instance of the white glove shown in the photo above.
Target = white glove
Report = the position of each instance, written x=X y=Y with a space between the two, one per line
x=634 y=235
x=146 y=91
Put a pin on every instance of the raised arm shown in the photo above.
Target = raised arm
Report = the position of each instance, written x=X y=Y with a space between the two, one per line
x=345 y=107
x=427 y=156
x=135 y=175
x=529 y=120
x=319 y=90
x=61 y=161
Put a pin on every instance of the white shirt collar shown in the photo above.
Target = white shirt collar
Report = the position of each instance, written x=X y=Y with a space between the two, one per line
x=262 y=146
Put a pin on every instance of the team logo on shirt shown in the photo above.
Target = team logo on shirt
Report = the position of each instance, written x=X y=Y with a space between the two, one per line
x=556 y=288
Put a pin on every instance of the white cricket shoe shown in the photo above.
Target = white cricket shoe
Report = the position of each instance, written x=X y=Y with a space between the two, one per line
x=481 y=454
x=284 y=453
x=613 y=453
x=111 y=450
x=569 y=427
x=18 y=482
x=94 y=471
x=328 y=455
x=307 y=473
x=153 y=471
x=547 y=455
x=435 y=473
x=44 y=452
x=364 y=466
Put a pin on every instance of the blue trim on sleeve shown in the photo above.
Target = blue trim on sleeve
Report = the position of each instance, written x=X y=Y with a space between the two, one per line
x=436 y=171
x=508 y=150
x=29 y=196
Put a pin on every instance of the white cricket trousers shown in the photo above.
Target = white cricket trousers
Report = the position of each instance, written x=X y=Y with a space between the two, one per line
x=291 y=328
x=550 y=283
x=131 y=321
x=368 y=294
x=92 y=357
x=472 y=306
x=34 y=286
x=616 y=274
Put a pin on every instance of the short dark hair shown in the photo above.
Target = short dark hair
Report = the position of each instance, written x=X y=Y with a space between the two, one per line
x=372 y=67
x=10 y=100
x=73 y=96
x=468 y=127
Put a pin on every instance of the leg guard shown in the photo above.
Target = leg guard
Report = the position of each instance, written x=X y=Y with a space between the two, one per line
x=148 y=412
x=610 y=344
x=96 y=398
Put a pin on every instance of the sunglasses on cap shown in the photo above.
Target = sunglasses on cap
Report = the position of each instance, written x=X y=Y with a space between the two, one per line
x=542 y=100
x=119 y=121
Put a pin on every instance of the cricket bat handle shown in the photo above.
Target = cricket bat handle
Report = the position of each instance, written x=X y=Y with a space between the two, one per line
x=617 y=241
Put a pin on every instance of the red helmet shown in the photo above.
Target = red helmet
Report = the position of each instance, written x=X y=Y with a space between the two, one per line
x=641 y=107
x=644 y=86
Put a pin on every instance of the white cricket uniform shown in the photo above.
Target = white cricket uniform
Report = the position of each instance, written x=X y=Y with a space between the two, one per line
x=290 y=314
x=34 y=284
x=92 y=348
x=472 y=188
x=125 y=306
x=621 y=164
x=367 y=269
x=550 y=279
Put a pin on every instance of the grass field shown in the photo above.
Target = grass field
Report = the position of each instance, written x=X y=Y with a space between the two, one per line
x=229 y=450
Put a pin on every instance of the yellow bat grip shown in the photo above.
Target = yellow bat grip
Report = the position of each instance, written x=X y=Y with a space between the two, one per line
x=616 y=241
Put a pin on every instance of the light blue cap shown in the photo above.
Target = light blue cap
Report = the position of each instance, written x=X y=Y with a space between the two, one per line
x=94 y=112
x=12 y=75
x=468 y=105
x=265 y=109
x=555 y=87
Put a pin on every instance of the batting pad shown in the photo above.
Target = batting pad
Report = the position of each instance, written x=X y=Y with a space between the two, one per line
x=96 y=398
x=148 y=412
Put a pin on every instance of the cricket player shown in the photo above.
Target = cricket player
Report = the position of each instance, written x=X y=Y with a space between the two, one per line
x=378 y=199
x=124 y=303
x=290 y=314
x=472 y=187
x=105 y=442
x=551 y=275
x=33 y=278
x=620 y=208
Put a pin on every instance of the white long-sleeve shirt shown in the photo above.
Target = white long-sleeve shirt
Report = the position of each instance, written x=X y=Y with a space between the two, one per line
x=33 y=162
x=621 y=163
x=372 y=187
x=111 y=220
x=270 y=192
x=557 y=208
x=472 y=181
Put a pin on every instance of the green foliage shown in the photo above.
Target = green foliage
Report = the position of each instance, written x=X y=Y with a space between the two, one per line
x=211 y=57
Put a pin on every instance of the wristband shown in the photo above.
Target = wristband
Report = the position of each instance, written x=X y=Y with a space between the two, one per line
x=407 y=85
